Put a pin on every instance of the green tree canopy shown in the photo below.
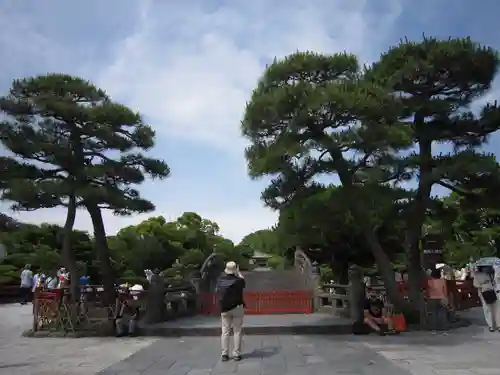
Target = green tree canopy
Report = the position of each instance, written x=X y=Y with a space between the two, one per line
x=73 y=146
x=152 y=244
x=469 y=231
x=325 y=228
x=264 y=241
x=315 y=117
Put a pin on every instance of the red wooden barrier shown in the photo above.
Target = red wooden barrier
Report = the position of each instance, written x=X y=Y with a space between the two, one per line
x=463 y=294
x=258 y=303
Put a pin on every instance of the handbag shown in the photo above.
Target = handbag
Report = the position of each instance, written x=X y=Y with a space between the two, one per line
x=399 y=322
x=489 y=296
x=445 y=302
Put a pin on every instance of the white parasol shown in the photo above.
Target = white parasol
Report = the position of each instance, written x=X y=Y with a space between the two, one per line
x=487 y=261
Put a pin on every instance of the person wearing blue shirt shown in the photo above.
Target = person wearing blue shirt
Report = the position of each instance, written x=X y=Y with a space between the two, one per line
x=84 y=280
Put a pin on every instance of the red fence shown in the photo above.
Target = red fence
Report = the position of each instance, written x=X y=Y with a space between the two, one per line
x=462 y=294
x=257 y=303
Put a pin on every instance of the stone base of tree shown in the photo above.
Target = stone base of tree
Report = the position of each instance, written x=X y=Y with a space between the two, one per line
x=61 y=334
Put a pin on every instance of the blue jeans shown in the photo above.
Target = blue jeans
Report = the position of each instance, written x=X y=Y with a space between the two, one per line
x=438 y=315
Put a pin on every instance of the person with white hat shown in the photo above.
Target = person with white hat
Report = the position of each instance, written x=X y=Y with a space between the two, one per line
x=128 y=315
x=230 y=286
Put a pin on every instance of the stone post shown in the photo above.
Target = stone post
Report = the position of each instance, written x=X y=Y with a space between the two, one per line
x=356 y=294
x=196 y=281
x=316 y=285
x=155 y=301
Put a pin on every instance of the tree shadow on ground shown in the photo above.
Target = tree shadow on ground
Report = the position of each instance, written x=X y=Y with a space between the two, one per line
x=265 y=352
x=456 y=337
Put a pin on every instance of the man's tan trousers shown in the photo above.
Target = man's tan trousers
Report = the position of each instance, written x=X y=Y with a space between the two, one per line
x=232 y=319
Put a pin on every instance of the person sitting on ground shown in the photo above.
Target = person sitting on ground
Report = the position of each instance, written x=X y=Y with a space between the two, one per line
x=375 y=316
x=127 y=317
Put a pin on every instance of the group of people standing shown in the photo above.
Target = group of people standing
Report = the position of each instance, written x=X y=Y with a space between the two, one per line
x=440 y=312
x=485 y=278
x=30 y=281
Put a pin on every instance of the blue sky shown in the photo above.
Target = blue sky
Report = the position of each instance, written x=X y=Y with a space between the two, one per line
x=189 y=69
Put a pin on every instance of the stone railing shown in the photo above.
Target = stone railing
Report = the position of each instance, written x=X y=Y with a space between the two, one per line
x=341 y=299
x=347 y=300
x=10 y=293
x=334 y=299
x=306 y=268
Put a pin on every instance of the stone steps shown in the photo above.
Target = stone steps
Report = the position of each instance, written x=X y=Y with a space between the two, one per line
x=284 y=324
x=273 y=280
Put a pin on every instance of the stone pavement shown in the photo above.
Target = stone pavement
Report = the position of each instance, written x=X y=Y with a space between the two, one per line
x=299 y=324
x=467 y=351
x=56 y=356
x=266 y=355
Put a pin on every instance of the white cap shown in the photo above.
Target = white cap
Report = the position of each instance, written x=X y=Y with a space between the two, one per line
x=230 y=268
x=137 y=288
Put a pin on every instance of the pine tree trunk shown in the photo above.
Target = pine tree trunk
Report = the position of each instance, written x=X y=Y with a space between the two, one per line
x=103 y=256
x=68 y=255
x=415 y=222
x=386 y=271
x=384 y=264
x=415 y=279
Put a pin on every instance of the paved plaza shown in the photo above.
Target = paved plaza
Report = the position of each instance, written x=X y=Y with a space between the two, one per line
x=56 y=356
x=467 y=351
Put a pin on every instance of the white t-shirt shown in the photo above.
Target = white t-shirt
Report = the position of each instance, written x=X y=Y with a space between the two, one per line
x=482 y=281
x=51 y=282
x=26 y=279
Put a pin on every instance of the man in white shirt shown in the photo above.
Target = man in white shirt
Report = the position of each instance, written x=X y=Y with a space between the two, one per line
x=26 y=283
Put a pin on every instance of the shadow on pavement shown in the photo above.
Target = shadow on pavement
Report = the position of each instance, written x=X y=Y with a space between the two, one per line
x=15 y=365
x=477 y=331
x=264 y=352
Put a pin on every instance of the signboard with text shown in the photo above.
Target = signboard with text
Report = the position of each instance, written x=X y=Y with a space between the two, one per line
x=432 y=246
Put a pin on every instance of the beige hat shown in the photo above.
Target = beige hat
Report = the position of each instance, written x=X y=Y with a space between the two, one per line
x=231 y=268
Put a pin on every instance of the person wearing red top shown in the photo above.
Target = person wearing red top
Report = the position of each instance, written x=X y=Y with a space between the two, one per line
x=437 y=295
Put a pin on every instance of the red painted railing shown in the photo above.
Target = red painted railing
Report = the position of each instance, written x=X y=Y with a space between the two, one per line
x=463 y=294
x=258 y=303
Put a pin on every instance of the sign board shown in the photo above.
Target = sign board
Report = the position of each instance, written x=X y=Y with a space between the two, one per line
x=432 y=246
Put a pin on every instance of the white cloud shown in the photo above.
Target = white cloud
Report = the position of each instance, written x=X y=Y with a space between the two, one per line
x=193 y=77
x=190 y=71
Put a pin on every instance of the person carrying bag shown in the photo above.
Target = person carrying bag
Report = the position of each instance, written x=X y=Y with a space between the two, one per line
x=483 y=281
